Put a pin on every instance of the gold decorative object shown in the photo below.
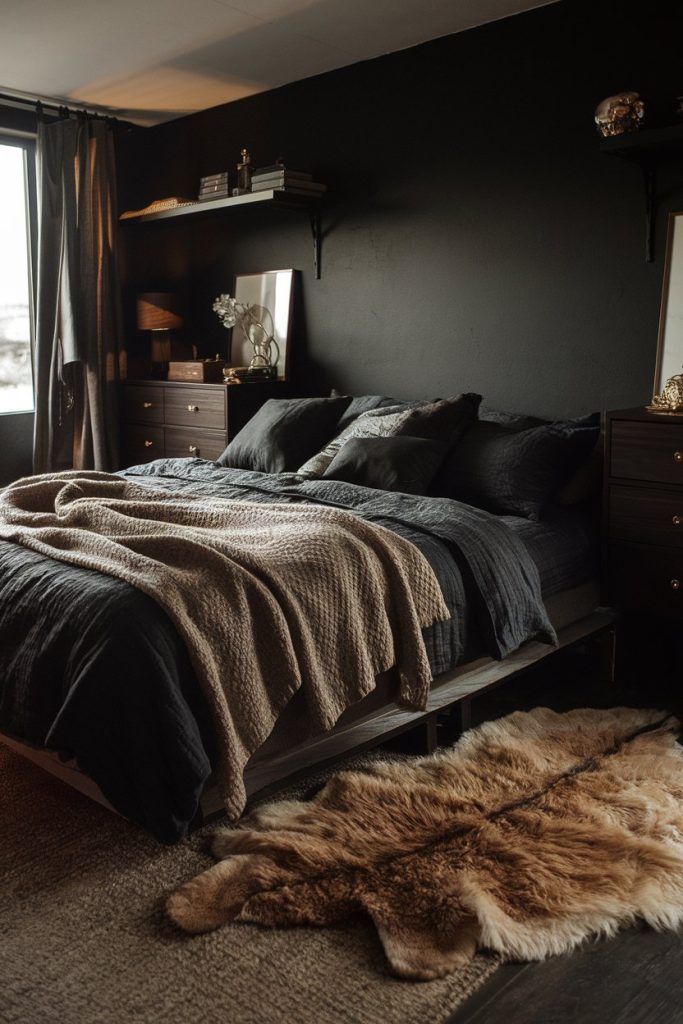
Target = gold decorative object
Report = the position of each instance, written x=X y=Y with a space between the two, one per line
x=619 y=114
x=670 y=398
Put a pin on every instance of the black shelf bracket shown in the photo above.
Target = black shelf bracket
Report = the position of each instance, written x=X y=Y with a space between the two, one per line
x=649 y=172
x=316 y=229
x=648 y=148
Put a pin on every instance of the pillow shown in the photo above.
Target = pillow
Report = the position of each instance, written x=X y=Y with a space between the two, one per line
x=374 y=423
x=444 y=420
x=283 y=433
x=515 y=472
x=363 y=403
x=388 y=463
x=511 y=420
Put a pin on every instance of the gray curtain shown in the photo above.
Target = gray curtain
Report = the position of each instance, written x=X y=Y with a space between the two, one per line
x=78 y=313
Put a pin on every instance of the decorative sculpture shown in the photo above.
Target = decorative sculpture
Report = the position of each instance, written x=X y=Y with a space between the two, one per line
x=670 y=398
x=619 y=114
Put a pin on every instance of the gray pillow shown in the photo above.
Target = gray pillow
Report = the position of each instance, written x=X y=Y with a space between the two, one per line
x=363 y=403
x=374 y=423
x=515 y=472
x=404 y=464
x=284 y=432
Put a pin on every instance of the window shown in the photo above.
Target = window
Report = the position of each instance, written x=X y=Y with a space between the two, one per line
x=16 y=305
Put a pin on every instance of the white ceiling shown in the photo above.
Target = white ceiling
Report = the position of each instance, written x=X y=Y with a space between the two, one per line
x=152 y=60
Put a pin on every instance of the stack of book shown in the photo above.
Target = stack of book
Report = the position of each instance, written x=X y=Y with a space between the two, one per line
x=213 y=186
x=281 y=179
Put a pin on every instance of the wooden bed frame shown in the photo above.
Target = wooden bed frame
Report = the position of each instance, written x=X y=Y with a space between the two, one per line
x=449 y=701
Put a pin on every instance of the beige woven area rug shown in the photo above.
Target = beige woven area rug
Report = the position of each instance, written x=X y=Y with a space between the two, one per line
x=84 y=939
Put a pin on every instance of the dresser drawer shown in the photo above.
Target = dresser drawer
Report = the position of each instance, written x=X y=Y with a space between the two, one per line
x=195 y=407
x=647 y=578
x=653 y=454
x=646 y=516
x=143 y=404
x=183 y=442
x=142 y=444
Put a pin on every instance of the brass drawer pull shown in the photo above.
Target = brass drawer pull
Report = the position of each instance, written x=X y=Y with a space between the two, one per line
x=675 y=584
x=148 y=405
x=193 y=408
x=148 y=444
x=193 y=450
x=678 y=456
x=677 y=520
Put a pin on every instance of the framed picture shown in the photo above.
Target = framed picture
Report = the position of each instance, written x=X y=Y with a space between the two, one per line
x=272 y=295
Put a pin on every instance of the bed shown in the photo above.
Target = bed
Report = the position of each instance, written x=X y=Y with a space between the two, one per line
x=99 y=689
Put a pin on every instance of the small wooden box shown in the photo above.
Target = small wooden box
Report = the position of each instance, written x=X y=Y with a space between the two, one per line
x=197 y=371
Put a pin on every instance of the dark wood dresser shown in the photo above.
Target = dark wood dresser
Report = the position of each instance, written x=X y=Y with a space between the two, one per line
x=643 y=563
x=166 y=419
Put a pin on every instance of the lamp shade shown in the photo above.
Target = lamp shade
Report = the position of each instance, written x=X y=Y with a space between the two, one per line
x=158 y=311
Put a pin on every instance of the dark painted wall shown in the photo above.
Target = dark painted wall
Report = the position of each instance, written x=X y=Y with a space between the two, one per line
x=475 y=236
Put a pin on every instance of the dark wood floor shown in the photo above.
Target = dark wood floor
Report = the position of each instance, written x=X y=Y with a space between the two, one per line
x=636 y=978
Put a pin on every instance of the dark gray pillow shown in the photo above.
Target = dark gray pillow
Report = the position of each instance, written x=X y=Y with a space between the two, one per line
x=405 y=464
x=284 y=433
x=515 y=472
x=444 y=420
x=362 y=403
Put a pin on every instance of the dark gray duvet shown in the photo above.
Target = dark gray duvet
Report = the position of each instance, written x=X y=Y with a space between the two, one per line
x=94 y=669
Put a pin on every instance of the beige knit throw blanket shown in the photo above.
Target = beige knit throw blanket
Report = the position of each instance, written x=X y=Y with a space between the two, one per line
x=269 y=599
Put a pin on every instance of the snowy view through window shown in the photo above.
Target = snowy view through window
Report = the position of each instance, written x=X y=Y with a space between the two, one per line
x=16 y=384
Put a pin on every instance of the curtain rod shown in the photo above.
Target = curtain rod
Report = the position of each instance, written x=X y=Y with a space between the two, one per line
x=26 y=100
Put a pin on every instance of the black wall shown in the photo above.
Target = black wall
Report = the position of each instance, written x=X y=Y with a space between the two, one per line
x=475 y=236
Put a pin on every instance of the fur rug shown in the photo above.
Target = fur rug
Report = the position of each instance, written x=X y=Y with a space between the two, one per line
x=528 y=836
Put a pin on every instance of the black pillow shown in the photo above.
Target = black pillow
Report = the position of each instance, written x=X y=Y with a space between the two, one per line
x=284 y=433
x=444 y=420
x=405 y=464
x=515 y=472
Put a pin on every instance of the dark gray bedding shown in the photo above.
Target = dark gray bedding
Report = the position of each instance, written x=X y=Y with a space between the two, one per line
x=93 y=668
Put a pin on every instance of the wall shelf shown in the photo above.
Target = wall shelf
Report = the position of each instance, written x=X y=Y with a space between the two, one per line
x=648 y=149
x=272 y=198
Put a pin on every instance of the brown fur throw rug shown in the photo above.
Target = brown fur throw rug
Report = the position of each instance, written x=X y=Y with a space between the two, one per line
x=528 y=836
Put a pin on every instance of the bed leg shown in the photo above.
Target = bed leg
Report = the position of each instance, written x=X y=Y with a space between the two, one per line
x=431 y=740
x=463 y=710
x=608 y=655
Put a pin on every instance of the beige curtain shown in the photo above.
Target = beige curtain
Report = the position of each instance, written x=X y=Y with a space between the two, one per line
x=78 y=317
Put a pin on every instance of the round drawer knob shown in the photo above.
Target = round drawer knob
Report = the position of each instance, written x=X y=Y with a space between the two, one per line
x=193 y=450
x=678 y=456
x=148 y=444
x=675 y=584
x=677 y=520
x=195 y=408
x=148 y=405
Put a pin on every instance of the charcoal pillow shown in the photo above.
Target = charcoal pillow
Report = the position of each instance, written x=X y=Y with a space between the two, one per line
x=363 y=403
x=284 y=433
x=380 y=422
x=444 y=420
x=405 y=464
x=515 y=472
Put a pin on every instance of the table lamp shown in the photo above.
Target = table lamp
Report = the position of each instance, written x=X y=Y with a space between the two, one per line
x=158 y=312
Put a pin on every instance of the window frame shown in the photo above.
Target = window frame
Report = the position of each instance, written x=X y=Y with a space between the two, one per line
x=27 y=142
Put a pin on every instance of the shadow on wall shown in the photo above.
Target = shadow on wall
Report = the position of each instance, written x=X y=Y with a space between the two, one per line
x=16 y=446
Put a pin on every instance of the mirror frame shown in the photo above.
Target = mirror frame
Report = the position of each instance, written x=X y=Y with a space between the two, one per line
x=664 y=303
x=283 y=339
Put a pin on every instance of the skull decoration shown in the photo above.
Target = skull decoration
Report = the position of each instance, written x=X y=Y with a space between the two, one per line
x=619 y=114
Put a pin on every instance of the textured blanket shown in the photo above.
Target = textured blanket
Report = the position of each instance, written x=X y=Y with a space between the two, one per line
x=532 y=834
x=268 y=599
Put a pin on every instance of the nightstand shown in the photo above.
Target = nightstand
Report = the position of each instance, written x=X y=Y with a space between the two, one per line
x=167 y=419
x=643 y=521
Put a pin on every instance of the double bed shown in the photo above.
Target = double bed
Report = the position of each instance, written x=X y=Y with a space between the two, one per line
x=98 y=686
